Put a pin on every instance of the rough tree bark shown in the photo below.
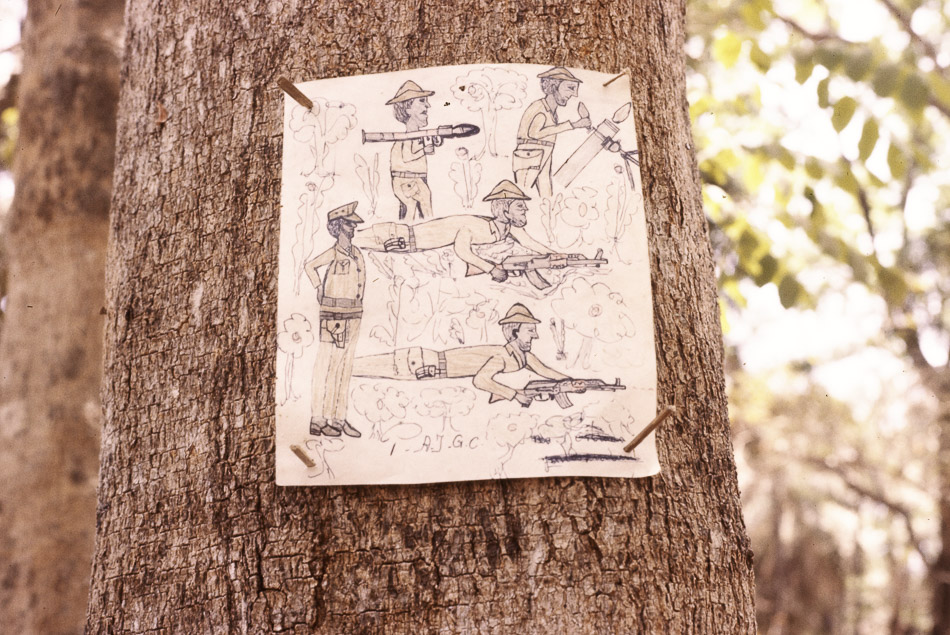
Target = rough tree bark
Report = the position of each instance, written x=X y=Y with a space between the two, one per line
x=192 y=532
x=51 y=347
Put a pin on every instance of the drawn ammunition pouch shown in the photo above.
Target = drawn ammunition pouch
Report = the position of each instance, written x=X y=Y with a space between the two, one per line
x=335 y=331
x=417 y=362
x=394 y=237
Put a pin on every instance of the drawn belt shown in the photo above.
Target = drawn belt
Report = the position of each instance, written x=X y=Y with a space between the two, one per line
x=412 y=175
x=341 y=303
x=524 y=140
x=336 y=315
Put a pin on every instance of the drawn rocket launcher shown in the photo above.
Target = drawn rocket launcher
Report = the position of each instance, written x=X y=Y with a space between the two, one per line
x=446 y=132
x=529 y=266
x=558 y=390
x=603 y=136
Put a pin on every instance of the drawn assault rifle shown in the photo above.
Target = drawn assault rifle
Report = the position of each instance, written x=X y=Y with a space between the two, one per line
x=547 y=389
x=528 y=266
x=446 y=132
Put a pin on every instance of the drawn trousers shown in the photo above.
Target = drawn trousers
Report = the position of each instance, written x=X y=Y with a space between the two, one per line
x=333 y=368
x=414 y=196
x=529 y=177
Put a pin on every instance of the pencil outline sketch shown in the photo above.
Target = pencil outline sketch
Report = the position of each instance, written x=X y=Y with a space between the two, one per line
x=369 y=178
x=489 y=90
x=465 y=174
x=596 y=313
x=320 y=128
x=533 y=157
x=297 y=334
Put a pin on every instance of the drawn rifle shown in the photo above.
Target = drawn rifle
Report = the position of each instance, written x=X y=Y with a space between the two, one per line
x=528 y=266
x=446 y=132
x=558 y=389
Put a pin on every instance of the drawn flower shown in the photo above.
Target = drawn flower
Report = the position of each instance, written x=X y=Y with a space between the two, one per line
x=295 y=336
x=380 y=405
x=596 y=313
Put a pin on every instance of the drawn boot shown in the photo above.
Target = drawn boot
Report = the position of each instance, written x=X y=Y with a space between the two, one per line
x=319 y=425
x=347 y=429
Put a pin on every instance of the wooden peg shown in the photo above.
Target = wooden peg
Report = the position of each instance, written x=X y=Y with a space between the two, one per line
x=653 y=425
x=611 y=81
x=296 y=449
x=287 y=86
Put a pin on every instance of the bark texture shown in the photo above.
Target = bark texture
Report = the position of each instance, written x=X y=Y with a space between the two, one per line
x=193 y=534
x=51 y=346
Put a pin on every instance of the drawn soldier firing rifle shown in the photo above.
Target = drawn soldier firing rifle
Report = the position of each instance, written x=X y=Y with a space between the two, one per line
x=463 y=232
x=483 y=363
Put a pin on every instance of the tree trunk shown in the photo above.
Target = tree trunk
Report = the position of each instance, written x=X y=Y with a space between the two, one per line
x=51 y=348
x=193 y=534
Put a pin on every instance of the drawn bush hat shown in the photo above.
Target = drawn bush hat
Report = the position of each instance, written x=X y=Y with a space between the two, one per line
x=559 y=72
x=507 y=190
x=518 y=314
x=347 y=212
x=409 y=90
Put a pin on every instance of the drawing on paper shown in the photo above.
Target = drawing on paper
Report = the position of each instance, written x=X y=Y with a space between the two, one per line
x=492 y=317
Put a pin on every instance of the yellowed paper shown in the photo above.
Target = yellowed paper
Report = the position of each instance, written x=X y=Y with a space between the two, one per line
x=464 y=287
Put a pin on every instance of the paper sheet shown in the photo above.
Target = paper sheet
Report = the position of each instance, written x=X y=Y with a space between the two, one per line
x=464 y=287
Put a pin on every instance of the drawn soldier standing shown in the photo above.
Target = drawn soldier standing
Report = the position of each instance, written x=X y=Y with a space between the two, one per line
x=340 y=294
x=462 y=231
x=408 y=164
x=481 y=363
x=534 y=152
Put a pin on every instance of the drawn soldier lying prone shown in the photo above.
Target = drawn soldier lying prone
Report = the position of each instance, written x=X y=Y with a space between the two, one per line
x=463 y=232
x=483 y=363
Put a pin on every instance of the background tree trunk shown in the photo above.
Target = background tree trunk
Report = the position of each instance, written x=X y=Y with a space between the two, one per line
x=51 y=346
x=192 y=530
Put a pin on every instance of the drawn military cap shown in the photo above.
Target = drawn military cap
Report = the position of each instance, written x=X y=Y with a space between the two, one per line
x=347 y=212
x=507 y=190
x=559 y=72
x=518 y=314
x=409 y=90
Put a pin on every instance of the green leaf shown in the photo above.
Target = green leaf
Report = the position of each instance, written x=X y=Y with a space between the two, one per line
x=893 y=285
x=846 y=181
x=804 y=65
x=814 y=168
x=914 y=92
x=760 y=58
x=940 y=88
x=885 y=79
x=842 y=113
x=869 y=137
x=789 y=291
x=896 y=162
x=858 y=66
x=748 y=244
x=768 y=267
x=823 y=92
x=752 y=16
x=726 y=49
x=830 y=57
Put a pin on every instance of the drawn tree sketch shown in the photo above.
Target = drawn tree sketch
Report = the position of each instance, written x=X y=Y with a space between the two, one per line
x=594 y=312
x=466 y=174
x=308 y=224
x=567 y=218
x=560 y=429
x=321 y=127
x=319 y=448
x=445 y=403
x=482 y=314
x=368 y=174
x=294 y=337
x=507 y=432
x=487 y=91
x=383 y=407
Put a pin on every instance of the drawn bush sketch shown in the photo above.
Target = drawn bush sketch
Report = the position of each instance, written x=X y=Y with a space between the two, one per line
x=466 y=174
x=489 y=90
x=321 y=127
x=596 y=313
x=295 y=336
x=492 y=318
x=368 y=174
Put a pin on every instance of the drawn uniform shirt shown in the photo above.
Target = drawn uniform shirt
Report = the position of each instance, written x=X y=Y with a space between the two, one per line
x=408 y=159
x=471 y=362
x=536 y=133
x=343 y=284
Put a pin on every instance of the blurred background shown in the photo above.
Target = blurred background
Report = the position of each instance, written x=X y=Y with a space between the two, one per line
x=822 y=133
